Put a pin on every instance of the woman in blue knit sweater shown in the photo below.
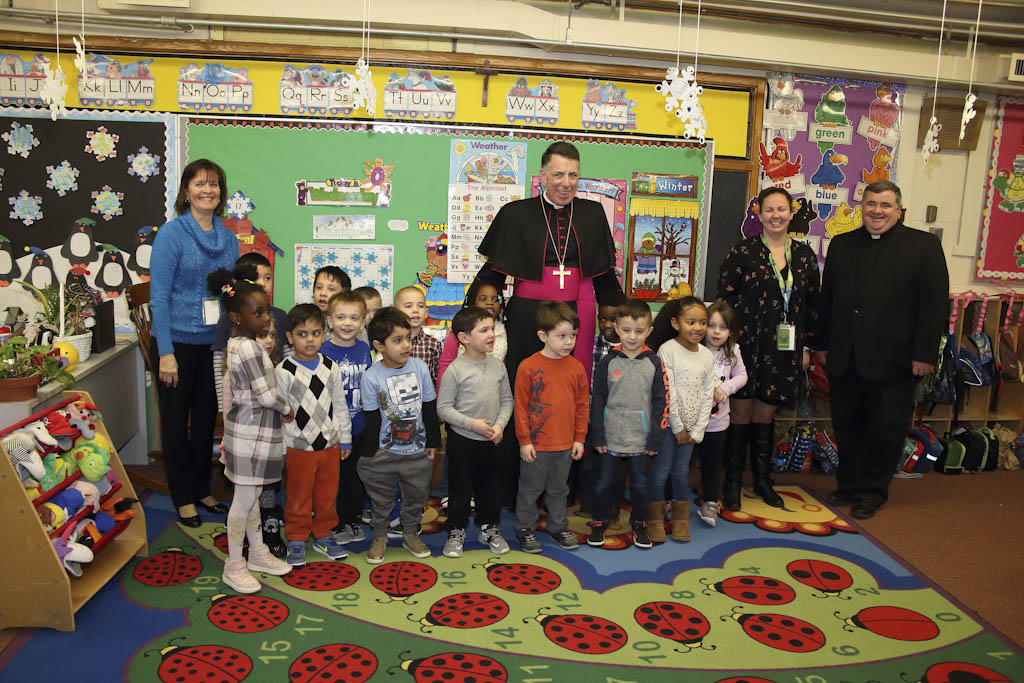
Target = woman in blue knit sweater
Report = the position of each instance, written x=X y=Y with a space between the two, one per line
x=186 y=250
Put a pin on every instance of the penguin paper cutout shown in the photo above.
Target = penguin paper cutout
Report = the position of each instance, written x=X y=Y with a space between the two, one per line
x=40 y=271
x=113 y=277
x=139 y=260
x=9 y=269
x=80 y=246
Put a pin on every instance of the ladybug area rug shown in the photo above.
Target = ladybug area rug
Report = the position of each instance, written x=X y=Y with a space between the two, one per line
x=792 y=595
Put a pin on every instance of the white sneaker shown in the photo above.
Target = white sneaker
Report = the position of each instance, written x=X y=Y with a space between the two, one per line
x=349 y=533
x=237 y=577
x=453 y=546
x=490 y=535
x=709 y=513
x=262 y=560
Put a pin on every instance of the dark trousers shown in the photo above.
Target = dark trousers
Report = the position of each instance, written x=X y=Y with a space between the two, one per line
x=709 y=451
x=870 y=420
x=187 y=414
x=350 y=486
x=611 y=479
x=472 y=473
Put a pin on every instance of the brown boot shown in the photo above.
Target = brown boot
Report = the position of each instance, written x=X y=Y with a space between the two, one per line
x=656 y=521
x=680 y=520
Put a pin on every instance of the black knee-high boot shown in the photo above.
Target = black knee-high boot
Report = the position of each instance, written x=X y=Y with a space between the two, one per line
x=761 y=462
x=735 y=462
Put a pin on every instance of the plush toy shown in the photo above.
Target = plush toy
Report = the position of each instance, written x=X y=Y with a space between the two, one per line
x=106 y=483
x=61 y=507
x=86 y=533
x=61 y=429
x=71 y=554
x=44 y=442
x=99 y=439
x=81 y=419
x=120 y=509
x=56 y=471
x=21 y=449
x=92 y=460
x=90 y=493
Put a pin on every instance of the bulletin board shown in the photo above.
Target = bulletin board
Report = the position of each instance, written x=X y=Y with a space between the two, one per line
x=266 y=159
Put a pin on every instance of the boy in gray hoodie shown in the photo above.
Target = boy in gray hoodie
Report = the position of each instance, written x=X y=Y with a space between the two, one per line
x=628 y=418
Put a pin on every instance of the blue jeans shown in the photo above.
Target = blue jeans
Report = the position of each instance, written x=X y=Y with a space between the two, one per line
x=610 y=476
x=675 y=460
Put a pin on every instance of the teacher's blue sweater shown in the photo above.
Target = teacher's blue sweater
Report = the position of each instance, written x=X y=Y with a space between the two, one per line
x=183 y=255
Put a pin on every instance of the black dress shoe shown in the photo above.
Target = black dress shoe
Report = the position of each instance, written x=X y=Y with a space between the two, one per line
x=864 y=509
x=218 y=509
x=195 y=521
x=839 y=498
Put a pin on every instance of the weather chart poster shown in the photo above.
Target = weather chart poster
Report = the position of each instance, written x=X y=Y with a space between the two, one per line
x=825 y=140
x=1001 y=248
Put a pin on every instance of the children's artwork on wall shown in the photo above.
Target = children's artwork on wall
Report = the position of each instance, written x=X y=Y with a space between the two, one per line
x=785 y=114
x=664 y=234
x=20 y=139
x=611 y=195
x=852 y=138
x=471 y=208
x=1001 y=239
x=369 y=265
x=496 y=162
x=606 y=106
x=344 y=227
x=143 y=165
x=444 y=295
x=538 y=104
x=108 y=82
x=420 y=94
x=315 y=90
x=214 y=87
x=21 y=81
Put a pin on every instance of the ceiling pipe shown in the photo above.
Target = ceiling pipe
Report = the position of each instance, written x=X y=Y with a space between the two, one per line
x=548 y=45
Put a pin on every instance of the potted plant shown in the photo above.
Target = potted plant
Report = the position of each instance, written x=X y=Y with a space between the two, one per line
x=23 y=366
x=68 y=313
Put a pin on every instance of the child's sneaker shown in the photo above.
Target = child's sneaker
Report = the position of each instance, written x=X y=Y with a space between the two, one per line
x=349 y=533
x=261 y=559
x=414 y=545
x=296 y=554
x=443 y=507
x=329 y=547
x=366 y=516
x=490 y=535
x=528 y=541
x=709 y=512
x=395 y=528
x=597 y=530
x=640 y=537
x=453 y=546
x=375 y=555
x=566 y=540
x=238 y=578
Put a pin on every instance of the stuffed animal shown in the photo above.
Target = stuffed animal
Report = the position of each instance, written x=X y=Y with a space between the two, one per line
x=21 y=450
x=44 y=442
x=91 y=459
x=71 y=554
x=56 y=471
x=90 y=493
x=60 y=508
x=61 y=429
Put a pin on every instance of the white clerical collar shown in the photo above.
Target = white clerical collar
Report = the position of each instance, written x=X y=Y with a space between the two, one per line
x=874 y=236
x=544 y=196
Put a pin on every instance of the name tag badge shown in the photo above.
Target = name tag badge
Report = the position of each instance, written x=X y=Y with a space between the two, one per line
x=786 y=337
x=211 y=311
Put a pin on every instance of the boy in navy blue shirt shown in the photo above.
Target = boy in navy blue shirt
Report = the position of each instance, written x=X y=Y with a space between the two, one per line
x=345 y=312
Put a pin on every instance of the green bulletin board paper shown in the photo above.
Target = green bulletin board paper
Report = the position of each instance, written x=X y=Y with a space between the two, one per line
x=265 y=161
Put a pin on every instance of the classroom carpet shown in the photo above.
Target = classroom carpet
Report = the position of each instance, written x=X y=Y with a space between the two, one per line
x=792 y=595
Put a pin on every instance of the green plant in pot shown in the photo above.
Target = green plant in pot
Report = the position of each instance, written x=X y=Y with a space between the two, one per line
x=77 y=307
x=24 y=365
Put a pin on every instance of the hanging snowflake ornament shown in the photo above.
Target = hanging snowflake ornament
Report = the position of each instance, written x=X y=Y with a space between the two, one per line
x=20 y=139
x=682 y=92
x=239 y=205
x=53 y=91
x=931 y=140
x=102 y=143
x=968 y=114
x=1 y=178
x=143 y=164
x=365 y=94
x=27 y=208
x=63 y=178
x=107 y=202
x=80 y=59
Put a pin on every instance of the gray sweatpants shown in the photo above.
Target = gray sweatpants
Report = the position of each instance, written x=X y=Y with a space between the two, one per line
x=380 y=474
x=548 y=474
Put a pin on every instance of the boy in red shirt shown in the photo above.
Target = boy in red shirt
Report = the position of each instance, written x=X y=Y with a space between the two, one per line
x=552 y=402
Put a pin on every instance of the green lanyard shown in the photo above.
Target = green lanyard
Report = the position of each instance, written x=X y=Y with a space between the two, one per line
x=785 y=284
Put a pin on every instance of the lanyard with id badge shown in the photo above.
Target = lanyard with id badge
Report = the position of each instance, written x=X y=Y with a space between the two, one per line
x=785 y=332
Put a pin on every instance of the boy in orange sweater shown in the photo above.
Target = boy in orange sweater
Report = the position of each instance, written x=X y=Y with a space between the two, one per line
x=552 y=402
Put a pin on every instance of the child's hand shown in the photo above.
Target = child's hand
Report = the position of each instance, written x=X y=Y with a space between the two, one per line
x=650 y=452
x=430 y=453
x=528 y=453
x=682 y=437
x=288 y=417
x=577 y=450
x=497 y=433
x=483 y=428
x=345 y=452
x=720 y=396
x=601 y=449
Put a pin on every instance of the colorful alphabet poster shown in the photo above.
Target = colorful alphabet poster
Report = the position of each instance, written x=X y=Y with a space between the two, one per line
x=832 y=137
x=1001 y=239
x=369 y=265
x=538 y=104
x=471 y=208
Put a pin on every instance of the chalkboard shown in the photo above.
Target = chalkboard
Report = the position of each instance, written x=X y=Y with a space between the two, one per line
x=728 y=209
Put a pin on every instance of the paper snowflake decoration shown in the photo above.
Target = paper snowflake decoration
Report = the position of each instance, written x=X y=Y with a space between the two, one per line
x=20 y=139
x=80 y=60
x=102 y=143
x=107 y=202
x=968 y=114
x=239 y=205
x=931 y=140
x=365 y=94
x=63 y=178
x=27 y=208
x=682 y=95
x=143 y=164
x=53 y=91
x=1 y=178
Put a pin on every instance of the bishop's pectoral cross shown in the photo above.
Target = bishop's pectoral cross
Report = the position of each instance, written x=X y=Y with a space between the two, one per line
x=561 y=272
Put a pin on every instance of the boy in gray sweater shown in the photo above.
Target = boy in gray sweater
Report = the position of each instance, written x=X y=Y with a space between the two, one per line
x=628 y=418
x=475 y=400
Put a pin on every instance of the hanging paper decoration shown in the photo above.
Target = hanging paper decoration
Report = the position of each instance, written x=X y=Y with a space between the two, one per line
x=931 y=138
x=102 y=143
x=63 y=178
x=971 y=98
x=107 y=202
x=27 y=208
x=20 y=139
x=54 y=88
x=366 y=93
x=239 y=205
x=784 y=116
x=681 y=90
x=143 y=164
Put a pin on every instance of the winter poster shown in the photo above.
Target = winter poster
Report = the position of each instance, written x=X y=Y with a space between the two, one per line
x=1001 y=247
x=663 y=225
x=369 y=265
